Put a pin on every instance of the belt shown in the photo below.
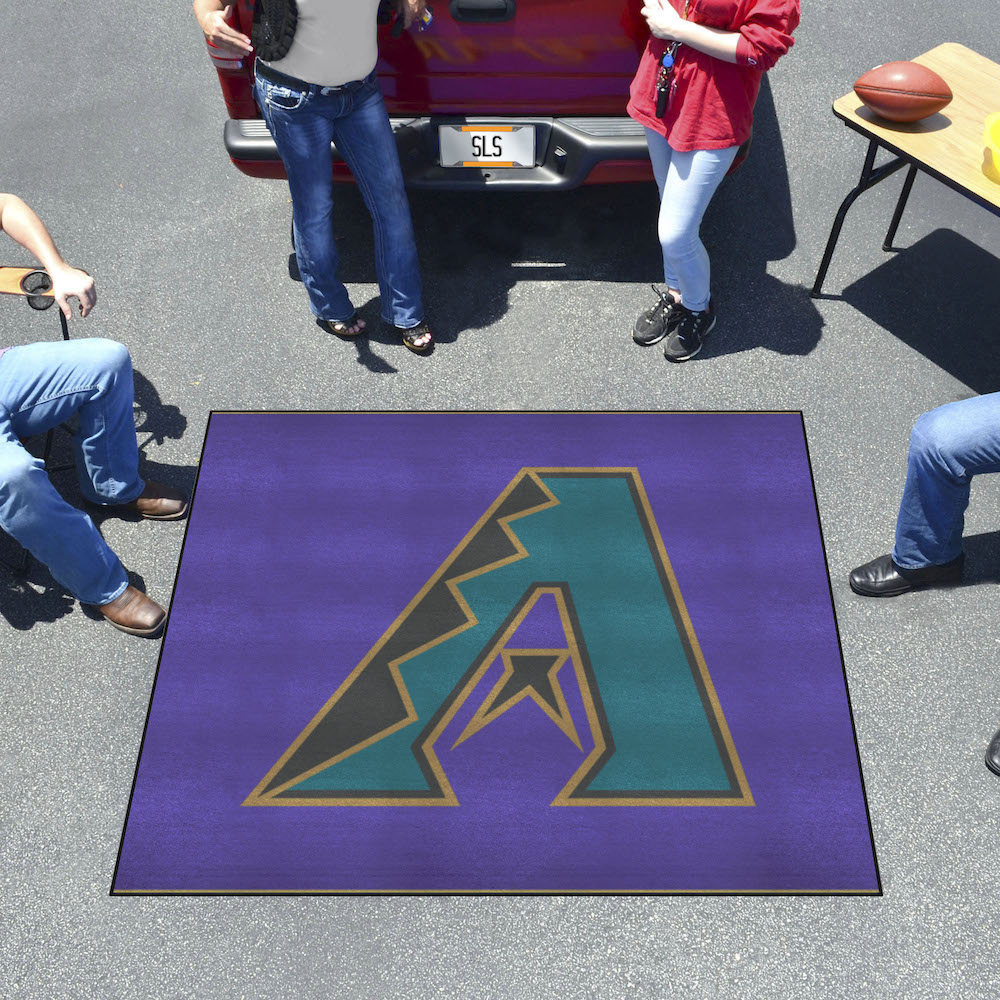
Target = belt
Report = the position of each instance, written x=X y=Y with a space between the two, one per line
x=265 y=72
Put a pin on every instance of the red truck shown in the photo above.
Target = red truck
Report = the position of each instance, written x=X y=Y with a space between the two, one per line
x=518 y=94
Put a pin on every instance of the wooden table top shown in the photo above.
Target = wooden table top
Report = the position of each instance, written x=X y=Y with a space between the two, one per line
x=949 y=143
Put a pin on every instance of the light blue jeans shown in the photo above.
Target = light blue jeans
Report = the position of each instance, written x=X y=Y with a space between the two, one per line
x=687 y=182
x=948 y=447
x=304 y=121
x=41 y=386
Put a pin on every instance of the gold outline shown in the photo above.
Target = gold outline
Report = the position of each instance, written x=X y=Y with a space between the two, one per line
x=259 y=797
x=564 y=719
x=593 y=717
x=448 y=798
x=746 y=797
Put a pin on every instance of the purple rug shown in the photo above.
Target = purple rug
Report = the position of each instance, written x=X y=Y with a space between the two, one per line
x=500 y=652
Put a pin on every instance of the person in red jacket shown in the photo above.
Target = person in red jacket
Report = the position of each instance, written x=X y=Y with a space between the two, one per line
x=694 y=92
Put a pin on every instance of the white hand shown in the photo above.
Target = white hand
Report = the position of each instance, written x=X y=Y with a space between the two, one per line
x=664 y=22
x=222 y=35
x=70 y=282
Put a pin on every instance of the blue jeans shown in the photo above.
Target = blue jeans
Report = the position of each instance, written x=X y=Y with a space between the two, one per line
x=304 y=121
x=948 y=447
x=687 y=182
x=42 y=385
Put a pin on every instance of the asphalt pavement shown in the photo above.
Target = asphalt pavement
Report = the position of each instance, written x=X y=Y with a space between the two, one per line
x=112 y=130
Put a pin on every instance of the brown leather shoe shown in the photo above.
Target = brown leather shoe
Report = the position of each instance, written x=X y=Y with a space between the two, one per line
x=135 y=613
x=158 y=502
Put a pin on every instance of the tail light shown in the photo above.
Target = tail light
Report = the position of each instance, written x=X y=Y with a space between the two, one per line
x=224 y=60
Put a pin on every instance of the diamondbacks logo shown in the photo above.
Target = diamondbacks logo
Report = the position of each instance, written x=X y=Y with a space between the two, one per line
x=575 y=549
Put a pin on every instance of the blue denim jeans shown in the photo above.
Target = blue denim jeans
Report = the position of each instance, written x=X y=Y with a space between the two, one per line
x=687 y=182
x=948 y=447
x=42 y=385
x=304 y=121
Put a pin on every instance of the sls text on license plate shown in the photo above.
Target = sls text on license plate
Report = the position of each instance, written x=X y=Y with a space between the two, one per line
x=487 y=145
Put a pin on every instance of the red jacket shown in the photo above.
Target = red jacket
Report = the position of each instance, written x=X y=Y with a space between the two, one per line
x=711 y=101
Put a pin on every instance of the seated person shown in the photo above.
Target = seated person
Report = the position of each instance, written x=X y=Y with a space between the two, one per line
x=41 y=386
x=948 y=447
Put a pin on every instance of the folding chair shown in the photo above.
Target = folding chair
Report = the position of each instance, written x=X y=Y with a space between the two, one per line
x=35 y=287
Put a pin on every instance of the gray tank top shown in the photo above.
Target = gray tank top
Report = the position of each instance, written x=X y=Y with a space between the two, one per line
x=334 y=42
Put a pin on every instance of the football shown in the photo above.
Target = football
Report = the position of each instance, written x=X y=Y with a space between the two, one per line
x=903 y=91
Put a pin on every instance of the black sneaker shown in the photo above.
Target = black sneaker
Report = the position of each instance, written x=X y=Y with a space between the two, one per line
x=654 y=324
x=688 y=337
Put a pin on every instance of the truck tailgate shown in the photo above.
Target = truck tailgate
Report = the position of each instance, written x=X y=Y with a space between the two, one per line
x=552 y=57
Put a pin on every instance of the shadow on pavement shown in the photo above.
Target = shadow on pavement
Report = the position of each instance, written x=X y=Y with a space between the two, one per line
x=22 y=605
x=982 y=557
x=941 y=296
x=748 y=224
x=153 y=417
x=474 y=247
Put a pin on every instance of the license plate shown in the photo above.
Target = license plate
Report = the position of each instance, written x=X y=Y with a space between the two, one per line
x=487 y=145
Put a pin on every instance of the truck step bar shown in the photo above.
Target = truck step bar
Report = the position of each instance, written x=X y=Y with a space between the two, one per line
x=566 y=150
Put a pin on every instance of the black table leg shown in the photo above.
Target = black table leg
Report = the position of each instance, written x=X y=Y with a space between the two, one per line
x=870 y=176
x=900 y=205
x=50 y=435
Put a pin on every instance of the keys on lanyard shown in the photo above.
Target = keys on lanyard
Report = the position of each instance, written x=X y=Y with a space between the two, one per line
x=663 y=79
x=667 y=69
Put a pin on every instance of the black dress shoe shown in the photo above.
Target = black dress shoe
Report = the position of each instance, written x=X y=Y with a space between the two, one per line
x=993 y=753
x=883 y=578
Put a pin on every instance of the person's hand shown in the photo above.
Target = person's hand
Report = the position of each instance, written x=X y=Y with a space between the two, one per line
x=72 y=283
x=411 y=10
x=222 y=35
x=664 y=22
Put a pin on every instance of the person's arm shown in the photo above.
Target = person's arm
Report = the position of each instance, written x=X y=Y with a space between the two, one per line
x=211 y=15
x=21 y=224
x=761 y=41
x=664 y=22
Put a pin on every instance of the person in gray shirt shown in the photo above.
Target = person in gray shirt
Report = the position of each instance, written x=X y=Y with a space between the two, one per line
x=315 y=83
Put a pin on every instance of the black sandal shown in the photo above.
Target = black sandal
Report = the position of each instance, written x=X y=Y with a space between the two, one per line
x=342 y=327
x=412 y=333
